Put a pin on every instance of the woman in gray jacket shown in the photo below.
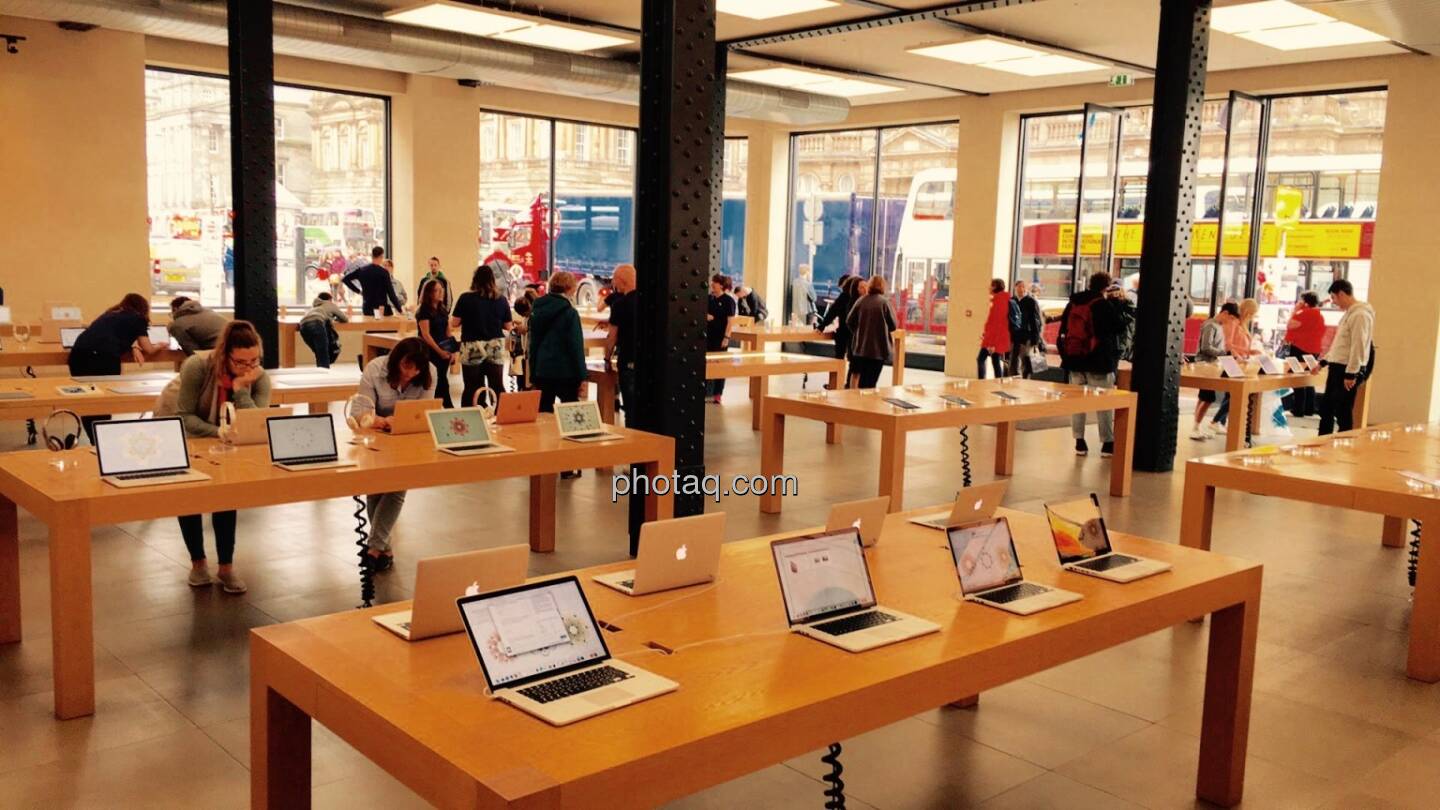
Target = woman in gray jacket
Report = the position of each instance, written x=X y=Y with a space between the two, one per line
x=871 y=323
x=230 y=374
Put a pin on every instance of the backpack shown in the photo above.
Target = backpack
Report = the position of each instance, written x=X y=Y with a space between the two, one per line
x=1080 y=339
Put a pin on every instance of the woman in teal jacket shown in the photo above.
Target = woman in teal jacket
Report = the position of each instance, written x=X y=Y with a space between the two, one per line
x=557 y=345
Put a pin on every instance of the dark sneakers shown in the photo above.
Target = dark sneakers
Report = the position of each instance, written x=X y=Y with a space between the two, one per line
x=1081 y=448
x=1107 y=449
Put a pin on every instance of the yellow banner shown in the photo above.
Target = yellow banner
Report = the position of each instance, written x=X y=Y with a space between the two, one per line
x=1327 y=240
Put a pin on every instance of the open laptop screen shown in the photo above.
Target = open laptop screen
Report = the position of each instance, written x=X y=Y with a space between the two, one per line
x=458 y=426
x=578 y=418
x=1078 y=529
x=822 y=574
x=158 y=335
x=140 y=445
x=532 y=631
x=300 y=437
x=984 y=555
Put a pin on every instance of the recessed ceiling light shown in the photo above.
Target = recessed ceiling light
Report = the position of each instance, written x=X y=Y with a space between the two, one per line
x=769 y=9
x=561 y=38
x=1300 y=37
x=976 y=51
x=1045 y=65
x=450 y=16
x=814 y=82
x=1266 y=14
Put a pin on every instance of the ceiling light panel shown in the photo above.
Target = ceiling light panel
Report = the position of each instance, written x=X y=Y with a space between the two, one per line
x=1267 y=14
x=1301 y=37
x=977 y=51
x=770 y=9
x=813 y=82
x=561 y=38
x=1045 y=65
x=457 y=17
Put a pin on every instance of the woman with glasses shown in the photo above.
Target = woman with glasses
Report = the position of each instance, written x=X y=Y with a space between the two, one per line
x=230 y=374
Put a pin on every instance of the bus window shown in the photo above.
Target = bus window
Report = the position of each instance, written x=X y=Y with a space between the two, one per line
x=935 y=200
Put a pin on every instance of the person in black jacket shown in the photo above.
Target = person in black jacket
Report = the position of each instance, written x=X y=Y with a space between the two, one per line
x=839 y=313
x=374 y=284
x=1026 y=323
x=1089 y=344
x=717 y=326
x=748 y=302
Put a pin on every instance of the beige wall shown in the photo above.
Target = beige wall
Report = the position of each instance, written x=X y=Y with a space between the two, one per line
x=72 y=194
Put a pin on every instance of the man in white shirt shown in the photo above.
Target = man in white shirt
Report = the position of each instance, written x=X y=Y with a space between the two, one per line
x=1350 y=360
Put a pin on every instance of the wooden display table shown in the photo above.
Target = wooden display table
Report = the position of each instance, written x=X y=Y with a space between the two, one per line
x=73 y=502
x=868 y=409
x=761 y=366
x=137 y=393
x=751 y=693
x=1245 y=396
x=14 y=354
x=754 y=338
x=1364 y=477
x=290 y=331
x=378 y=343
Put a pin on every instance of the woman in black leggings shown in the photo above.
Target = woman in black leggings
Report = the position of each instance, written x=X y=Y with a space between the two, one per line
x=482 y=315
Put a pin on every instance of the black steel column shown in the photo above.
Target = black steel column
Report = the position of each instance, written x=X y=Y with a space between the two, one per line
x=252 y=166
x=1180 y=65
x=677 y=204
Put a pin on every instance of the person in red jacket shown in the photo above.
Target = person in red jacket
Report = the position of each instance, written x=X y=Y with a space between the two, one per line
x=1305 y=334
x=995 y=340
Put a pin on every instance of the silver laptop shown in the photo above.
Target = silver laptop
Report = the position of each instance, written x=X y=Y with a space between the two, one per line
x=867 y=515
x=439 y=581
x=825 y=582
x=247 y=425
x=1083 y=543
x=673 y=554
x=580 y=422
x=989 y=570
x=971 y=504
x=144 y=453
x=541 y=652
x=462 y=432
x=68 y=336
x=305 y=442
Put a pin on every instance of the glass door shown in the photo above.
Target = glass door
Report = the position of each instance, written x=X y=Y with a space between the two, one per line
x=1095 y=203
x=1237 y=237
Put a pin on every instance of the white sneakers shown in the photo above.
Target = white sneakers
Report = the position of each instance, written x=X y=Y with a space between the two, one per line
x=1203 y=431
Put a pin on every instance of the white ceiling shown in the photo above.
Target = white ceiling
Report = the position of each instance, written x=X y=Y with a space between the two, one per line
x=1123 y=30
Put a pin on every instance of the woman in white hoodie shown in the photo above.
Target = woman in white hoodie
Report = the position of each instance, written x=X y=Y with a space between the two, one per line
x=1350 y=360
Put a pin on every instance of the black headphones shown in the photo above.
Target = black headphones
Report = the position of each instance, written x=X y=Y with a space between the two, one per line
x=61 y=436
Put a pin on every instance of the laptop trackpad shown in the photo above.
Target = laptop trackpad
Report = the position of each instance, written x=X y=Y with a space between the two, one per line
x=609 y=696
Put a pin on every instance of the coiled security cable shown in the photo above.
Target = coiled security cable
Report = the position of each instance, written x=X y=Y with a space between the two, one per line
x=367 y=572
x=835 y=793
x=965 y=455
x=1414 y=552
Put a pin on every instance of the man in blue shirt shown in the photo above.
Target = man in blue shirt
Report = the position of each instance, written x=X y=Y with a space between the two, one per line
x=374 y=285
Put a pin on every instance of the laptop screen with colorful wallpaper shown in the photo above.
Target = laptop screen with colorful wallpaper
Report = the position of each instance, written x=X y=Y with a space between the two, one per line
x=1078 y=529
x=458 y=426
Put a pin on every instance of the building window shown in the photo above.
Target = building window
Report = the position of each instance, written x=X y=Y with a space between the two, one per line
x=279 y=128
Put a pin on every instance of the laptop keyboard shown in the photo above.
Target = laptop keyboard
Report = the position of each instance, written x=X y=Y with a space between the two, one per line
x=297 y=462
x=1106 y=563
x=1010 y=594
x=138 y=476
x=859 y=621
x=572 y=685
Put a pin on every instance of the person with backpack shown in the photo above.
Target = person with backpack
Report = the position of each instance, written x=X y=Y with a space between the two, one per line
x=995 y=340
x=1026 y=329
x=1212 y=347
x=1089 y=344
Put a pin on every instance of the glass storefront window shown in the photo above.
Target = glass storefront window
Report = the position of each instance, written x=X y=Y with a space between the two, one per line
x=1049 y=185
x=515 y=192
x=833 y=212
x=732 y=208
x=332 y=191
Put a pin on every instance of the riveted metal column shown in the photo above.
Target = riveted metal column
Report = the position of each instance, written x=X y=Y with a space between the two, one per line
x=677 y=190
x=252 y=166
x=1180 y=65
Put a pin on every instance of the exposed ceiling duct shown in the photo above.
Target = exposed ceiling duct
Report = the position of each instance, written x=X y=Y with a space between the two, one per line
x=334 y=37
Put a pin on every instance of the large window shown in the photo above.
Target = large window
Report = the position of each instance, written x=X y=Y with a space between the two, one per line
x=332 y=193
x=877 y=202
x=732 y=208
x=588 y=170
x=1321 y=156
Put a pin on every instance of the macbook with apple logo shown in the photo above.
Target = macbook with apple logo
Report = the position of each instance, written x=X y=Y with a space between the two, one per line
x=440 y=581
x=673 y=554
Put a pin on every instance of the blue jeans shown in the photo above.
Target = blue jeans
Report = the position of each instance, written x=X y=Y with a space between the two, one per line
x=1104 y=419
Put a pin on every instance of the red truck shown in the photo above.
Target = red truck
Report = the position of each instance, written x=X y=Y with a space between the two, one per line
x=526 y=244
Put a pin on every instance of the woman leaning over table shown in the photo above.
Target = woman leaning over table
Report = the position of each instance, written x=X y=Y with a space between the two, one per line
x=229 y=374
x=402 y=374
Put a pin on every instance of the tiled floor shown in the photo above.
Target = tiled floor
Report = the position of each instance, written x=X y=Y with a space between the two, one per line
x=1335 y=724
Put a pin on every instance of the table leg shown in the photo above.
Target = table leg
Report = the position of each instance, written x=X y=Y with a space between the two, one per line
x=9 y=572
x=287 y=345
x=897 y=371
x=969 y=702
x=542 y=512
x=279 y=751
x=1424 y=658
x=605 y=386
x=832 y=429
x=759 y=388
x=1235 y=425
x=1393 y=535
x=1360 y=414
x=1225 y=725
x=662 y=506
x=1122 y=462
x=772 y=457
x=1197 y=515
x=72 y=615
x=892 y=467
x=318 y=407
x=1005 y=448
